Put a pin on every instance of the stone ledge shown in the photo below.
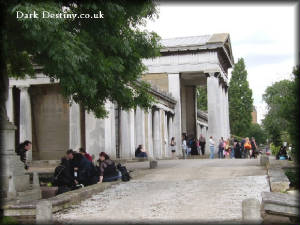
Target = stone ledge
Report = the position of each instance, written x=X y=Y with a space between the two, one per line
x=59 y=202
x=278 y=180
x=280 y=204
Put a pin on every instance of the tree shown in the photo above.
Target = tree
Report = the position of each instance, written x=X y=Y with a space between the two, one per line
x=202 y=98
x=240 y=100
x=256 y=131
x=94 y=60
x=276 y=96
x=283 y=110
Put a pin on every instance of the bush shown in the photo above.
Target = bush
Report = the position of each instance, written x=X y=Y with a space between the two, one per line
x=293 y=177
x=8 y=220
x=274 y=149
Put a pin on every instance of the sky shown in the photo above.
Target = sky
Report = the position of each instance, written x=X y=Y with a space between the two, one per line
x=263 y=34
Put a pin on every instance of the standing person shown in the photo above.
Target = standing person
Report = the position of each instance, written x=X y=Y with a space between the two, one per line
x=254 y=148
x=184 y=146
x=21 y=151
x=194 y=150
x=211 y=147
x=221 y=148
x=202 y=142
x=231 y=146
x=243 y=151
x=173 y=147
x=198 y=146
x=108 y=170
x=237 y=150
x=83 y=152
x=189 y=146
x=247 y=147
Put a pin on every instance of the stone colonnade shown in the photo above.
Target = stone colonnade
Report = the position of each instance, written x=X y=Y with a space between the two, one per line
x=153 y=128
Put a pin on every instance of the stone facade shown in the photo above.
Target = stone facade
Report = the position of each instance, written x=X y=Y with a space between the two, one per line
x=174 y=77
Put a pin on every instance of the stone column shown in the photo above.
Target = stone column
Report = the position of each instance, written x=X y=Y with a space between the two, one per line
x=174 y=89
x=139 y=127
x=223 y=116
x=227 y=112
x=113 y=130
x=25 y=119
x=166 y=137
x=150 y=133
x=10 y=105
x=107 y=129
x=156 y=134
x=131 y=133
x=74 y=126
x=213 y=106
x=170 y=134
x=124 y=135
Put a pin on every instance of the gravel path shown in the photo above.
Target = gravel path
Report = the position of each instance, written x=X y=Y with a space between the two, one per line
x=179 y=190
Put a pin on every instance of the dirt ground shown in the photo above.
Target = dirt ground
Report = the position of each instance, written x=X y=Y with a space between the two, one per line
x=203 y=190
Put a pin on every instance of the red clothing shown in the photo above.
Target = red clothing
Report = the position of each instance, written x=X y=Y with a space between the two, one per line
x=88 y=156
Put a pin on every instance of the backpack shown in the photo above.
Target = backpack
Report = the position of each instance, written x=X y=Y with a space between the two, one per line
x=124 y=172
x=57 y=172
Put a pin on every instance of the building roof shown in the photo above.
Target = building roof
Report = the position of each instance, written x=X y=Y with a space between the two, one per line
x=203 y=42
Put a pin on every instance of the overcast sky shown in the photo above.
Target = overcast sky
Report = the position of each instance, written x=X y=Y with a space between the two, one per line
x=264 y=35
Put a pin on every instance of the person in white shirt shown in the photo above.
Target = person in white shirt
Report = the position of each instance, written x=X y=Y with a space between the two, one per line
x=184 y=146
x=211 y=147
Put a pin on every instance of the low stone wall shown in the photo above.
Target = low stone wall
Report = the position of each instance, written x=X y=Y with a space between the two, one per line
x=59 y=202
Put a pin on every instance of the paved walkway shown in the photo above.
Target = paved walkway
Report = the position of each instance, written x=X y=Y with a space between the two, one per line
x=179 y=190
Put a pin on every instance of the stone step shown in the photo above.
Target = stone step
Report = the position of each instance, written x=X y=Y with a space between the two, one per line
x=29 y=195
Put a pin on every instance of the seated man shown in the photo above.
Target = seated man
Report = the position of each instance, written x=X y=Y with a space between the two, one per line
x=63 y=177
x=83 y=152
x=140 y=152
x=84 y=170
x=282 y=153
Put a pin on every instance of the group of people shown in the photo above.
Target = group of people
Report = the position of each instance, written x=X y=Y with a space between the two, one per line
x=77 y=169
x=232 y=148
x=193 y=145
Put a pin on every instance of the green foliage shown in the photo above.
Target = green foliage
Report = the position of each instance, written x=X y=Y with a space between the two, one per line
x=274 y=149
x=283 y=112
x=240 y=100
x=7 y=220
x=94 y=60
x=293 y=176
x=256 y=131
x=202 y=98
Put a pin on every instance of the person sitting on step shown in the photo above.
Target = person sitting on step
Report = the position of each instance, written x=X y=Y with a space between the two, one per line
x=107 y=169
x=140 y=152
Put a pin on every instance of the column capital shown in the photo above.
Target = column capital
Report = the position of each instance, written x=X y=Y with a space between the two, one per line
x=23 y=87
x=212 y=74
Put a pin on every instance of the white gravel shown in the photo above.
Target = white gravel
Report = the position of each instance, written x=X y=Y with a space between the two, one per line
x=187 y=190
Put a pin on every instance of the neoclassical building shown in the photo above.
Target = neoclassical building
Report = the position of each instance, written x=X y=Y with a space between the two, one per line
x=42 y=115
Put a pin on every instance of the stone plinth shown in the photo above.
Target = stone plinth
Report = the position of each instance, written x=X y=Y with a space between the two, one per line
x=44 y=212
x=251 y=211
x=11 y=163
x=153 y=164
x=264 y=160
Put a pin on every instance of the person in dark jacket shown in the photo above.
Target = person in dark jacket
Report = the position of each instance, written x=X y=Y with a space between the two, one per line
x=107 y=169
x=140 y=152
x=84 y=170
x=194 y=148
x=63 y=177
x=21 y=151
x=237 y=150
x=83 y=152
